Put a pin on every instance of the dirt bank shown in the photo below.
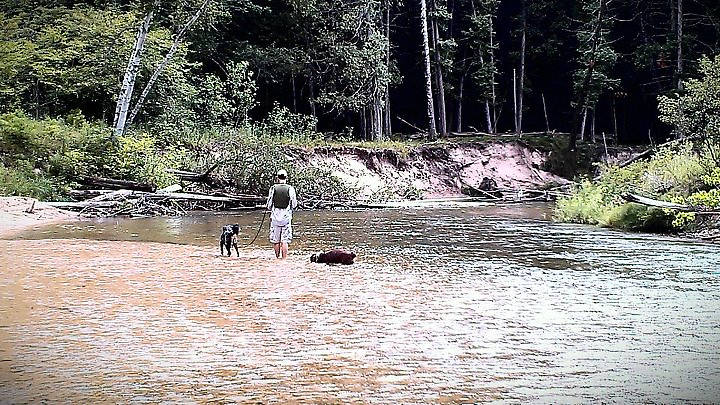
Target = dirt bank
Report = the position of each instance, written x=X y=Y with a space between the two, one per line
x=17 y=213
x=432 y=171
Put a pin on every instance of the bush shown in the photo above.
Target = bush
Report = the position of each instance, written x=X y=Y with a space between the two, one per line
x=283 y=125
x=587 y=205
x=637 y=217
x=42 y=158
x=251 y=160
x=137 y=157
x=64 y=148
x=697 y=111
x=676 y=173
x=24 y=181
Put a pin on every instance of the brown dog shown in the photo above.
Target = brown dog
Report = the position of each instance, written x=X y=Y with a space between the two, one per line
x=335 y=256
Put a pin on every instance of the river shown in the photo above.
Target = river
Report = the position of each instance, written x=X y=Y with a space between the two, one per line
x=443 y=306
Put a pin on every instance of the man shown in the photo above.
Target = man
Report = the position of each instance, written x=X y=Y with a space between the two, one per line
x=281 y=203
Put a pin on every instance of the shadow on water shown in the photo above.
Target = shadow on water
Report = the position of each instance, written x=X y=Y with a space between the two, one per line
x=444 y=305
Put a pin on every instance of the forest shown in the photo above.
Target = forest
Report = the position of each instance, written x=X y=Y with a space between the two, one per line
x=359 y=69
x=153 y=90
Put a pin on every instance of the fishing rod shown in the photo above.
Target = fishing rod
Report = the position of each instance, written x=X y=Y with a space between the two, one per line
x=259 y=229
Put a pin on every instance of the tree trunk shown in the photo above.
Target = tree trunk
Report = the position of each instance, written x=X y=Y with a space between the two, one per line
x=294 y=92
x=128 y=85
x=432 y=133
x=442 y=116
x=547 y=121
x=387 y=126
x=178 y=38
x=488 y=120
x=679 y=44
x=492 y=75
x=592 y=125
x=311 y=98
x=615 y=124
x=458 y=114
x=521 y=89
x=376 y=114
x=363 y=125
x=515 y=101
x=582 y=126
x=586 y=80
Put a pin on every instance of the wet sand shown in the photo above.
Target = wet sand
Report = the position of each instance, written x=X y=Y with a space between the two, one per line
x=23 y=214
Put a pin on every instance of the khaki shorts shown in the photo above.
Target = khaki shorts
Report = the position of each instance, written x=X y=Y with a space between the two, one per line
x=280 y=234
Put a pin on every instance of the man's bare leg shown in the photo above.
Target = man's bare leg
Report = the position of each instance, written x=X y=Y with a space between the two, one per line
x=276 y=246
x=284 y=250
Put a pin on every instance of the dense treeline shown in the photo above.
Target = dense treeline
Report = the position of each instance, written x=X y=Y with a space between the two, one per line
x=357 y=67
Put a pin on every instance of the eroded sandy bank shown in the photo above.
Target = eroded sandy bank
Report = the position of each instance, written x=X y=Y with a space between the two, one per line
x=432 y=171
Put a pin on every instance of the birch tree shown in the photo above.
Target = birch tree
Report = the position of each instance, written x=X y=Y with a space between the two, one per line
x=432 y=132
x=131 y=72
x=168 y=56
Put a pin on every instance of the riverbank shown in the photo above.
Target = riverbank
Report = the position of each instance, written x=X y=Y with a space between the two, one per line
x=434 y=170
x=21 y=213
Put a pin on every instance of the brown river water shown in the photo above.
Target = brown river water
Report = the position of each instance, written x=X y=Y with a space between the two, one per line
x=443 y=306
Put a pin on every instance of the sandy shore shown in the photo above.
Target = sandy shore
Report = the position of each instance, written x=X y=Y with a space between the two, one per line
x=20 y=213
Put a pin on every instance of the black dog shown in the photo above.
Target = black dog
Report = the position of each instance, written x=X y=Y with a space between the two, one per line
x=335 y=256
x=229 y=238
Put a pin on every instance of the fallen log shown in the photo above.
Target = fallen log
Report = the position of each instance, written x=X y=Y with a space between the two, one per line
x=203 y=178
x=227 y=198
x=79 y=205
x=87 y=194
x=637 y=199
x=116 y=184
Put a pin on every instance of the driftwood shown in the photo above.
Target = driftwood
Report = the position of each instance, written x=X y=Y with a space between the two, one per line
x=203 y=178
x=80 y=205
x=165 y=202
x=640 y=156
x=637 y=199
x=87 y=194
x=116 y=184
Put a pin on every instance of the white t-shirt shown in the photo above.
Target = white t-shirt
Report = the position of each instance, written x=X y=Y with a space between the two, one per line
x=281 y=216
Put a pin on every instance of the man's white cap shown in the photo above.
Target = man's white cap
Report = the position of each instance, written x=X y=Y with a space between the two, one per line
x=282 y=173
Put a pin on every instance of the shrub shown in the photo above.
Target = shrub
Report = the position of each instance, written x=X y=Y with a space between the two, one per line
x=697 y=111
x=137 y=157
x=587 y=204
x=282 y=124
x=637 y=217
x=24 y=181
x=676 y=173
x=64 y=148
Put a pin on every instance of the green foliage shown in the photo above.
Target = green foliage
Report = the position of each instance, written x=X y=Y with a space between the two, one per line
x=228 y=101
x=138 y=157
x=697 y=111
x=637 y=217
x=23 y=180
x=55 y=59
x=64 y=148
x=251 y=158
x=41 y=157
x=676 y=173
x=595 y=54
x=283 y=124
x=588 y=204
